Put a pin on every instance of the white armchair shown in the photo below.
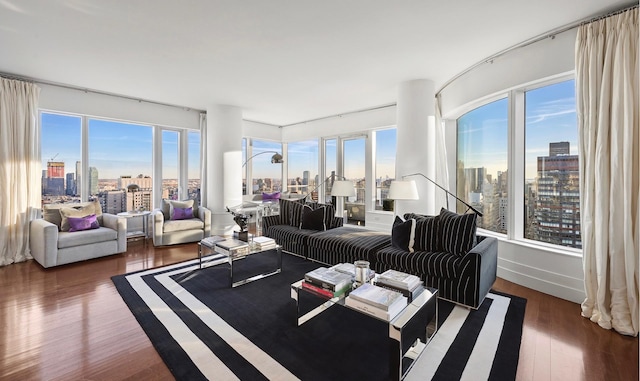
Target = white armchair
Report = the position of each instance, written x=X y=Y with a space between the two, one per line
x=168 y=231
x=51 y=246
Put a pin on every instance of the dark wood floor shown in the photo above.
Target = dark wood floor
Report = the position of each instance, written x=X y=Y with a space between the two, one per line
x=69 y=323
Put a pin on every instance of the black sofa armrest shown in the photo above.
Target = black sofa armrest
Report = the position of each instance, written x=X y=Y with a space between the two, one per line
x=268 y=221
x=336 y=222
x=486 y=251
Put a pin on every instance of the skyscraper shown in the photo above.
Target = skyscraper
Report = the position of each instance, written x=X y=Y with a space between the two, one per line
x=93 y=180
x=558 y=204
x=55 y=178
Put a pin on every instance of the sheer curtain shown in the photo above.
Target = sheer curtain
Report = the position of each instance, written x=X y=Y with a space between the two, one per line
x=20 y=168
x=609 y=136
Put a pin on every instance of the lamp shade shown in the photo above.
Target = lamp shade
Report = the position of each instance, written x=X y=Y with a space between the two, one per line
x=343 y=188
x=403 y=190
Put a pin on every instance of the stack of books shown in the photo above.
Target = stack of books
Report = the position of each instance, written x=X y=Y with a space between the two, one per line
x=232 y=247
x=377 y=301
x=327 y=282
x=210 y=242
x=264 y=243
x=350 y=268
x=408 y=285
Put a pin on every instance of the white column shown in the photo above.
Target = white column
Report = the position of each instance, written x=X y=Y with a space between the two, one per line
x=415 y=150
x=224 y=165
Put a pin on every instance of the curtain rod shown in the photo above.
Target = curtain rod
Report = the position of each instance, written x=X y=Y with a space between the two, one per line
x=341 y=114
x=87 y=90
x=550 y=34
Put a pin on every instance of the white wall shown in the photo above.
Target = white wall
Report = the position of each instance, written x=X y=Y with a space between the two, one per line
x=556 y=272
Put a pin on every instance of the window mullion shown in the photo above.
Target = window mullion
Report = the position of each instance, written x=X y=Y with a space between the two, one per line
x=516 y=155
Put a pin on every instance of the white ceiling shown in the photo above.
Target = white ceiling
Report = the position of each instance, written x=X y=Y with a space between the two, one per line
x=281 y=61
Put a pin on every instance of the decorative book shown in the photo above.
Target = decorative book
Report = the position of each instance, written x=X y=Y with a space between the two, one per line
x=211 y=241
x=399 y=279
x=328 y=278
x=377 y=296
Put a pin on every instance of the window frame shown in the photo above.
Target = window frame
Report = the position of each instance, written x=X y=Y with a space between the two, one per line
x=515 y=160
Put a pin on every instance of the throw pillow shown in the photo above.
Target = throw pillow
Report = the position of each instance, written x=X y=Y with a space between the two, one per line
x=427 y=238
x=83 y=211
x=77 y=224
x=182 y=213
x=295 y=213
x=403 y=234
x=285 y=211
x=313 y=219
x=275 y=196
x=457 y=232
x=173 y=204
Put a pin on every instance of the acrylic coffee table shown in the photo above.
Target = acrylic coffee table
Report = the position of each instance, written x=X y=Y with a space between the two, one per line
x=208 y=251
x=409 y=332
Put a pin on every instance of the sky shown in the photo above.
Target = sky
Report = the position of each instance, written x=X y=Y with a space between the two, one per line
x=550 y=116
x=118 y=149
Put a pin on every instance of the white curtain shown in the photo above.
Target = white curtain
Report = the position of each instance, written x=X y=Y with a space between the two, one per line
x=203 y=159
x=20 y=168
x=607 y=99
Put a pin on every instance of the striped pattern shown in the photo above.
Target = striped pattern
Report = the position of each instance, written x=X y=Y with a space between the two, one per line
x=427 y=238
x=457 y=232
x=346 y=245
x=197 y=342
x=291 y=238
x=461 y=279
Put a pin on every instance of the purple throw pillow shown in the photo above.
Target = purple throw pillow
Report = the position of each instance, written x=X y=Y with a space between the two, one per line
x=182 y=213
x=77 y=224
x=270 y=196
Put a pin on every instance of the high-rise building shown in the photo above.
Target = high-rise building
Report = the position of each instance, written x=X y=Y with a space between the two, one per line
x=557 y=209
x=144 y=182
x=93 y=180
x=55 y=178
x=78 y=178
x=71 y=185
x=559 y=148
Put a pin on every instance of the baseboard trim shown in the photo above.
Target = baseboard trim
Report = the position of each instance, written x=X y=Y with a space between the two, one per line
x=547 y=282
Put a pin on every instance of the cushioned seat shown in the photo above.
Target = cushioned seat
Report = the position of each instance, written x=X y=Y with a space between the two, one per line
x=435 y=264
x=346 y=244
x=172 y=226
x=52 y=241
x=102 y=234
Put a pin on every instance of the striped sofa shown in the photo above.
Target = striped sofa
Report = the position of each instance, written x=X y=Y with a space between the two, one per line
x=462 y=275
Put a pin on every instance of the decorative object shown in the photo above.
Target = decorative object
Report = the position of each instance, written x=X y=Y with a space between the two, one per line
x=275 y=159
x=202 y=313
x=361 y=272
x=242 y=220
x=407 y=190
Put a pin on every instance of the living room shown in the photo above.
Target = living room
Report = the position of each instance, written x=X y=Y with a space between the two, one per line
x=498 y=71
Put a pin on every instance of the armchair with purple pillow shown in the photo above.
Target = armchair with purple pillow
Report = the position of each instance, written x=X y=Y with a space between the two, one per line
x=180 y=222
x=75 y=232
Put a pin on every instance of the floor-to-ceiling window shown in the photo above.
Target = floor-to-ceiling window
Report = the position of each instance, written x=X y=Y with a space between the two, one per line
x=385 y=167
x=193 y=166
x=61 y=157
x=353 y=162
x=266 y=176
x=330 y=167
x=302 y=167
x=482 y=163
x=170 y=141
x=552 y=194
x=119 y=165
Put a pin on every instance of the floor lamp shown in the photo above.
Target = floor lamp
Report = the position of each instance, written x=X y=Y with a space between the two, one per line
x=407 y=190
x=339 y=188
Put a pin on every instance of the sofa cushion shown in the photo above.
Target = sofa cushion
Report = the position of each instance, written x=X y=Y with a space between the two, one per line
x=427 y=238
x=346 y=244
x=182 y=213
x=438 y=264
x=329 y=213
x=457 y=232
x=285 y=211
x=86 y=237
x=168 y=207
x=313 y=219
x=81 y=210
x=51 y=212
x=295 y=214
x=180 y=225
x=403 y=234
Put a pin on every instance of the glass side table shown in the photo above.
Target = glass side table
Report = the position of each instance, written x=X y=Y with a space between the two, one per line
x=136 y=234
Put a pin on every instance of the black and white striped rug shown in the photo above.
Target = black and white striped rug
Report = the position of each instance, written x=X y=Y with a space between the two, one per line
x=204 y=330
